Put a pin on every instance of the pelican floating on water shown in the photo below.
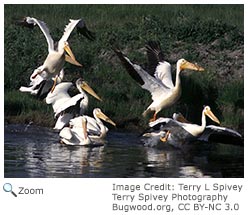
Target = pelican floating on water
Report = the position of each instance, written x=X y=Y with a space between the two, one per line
x=96 y=129
x=66 y=107
x=57 y=56
x=177 y=133
x=158 y=80
x=85 y=130
x=76 y=135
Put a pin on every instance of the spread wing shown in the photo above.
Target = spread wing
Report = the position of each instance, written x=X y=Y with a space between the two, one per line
x=221 y=135
x=81 y=28
x=155 y=55
x=145 y=80
x=158 y=67
x=31 y=22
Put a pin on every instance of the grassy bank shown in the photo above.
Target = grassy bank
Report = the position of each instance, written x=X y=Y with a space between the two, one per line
x=199 y=33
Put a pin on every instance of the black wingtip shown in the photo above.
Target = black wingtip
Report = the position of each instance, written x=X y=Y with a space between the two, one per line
x=154 y=47
x=154 y=54
x=226 y=139
x=129 y=66
x=153 y=44
x=118 y=52
x=23 y=22
x=85 y=32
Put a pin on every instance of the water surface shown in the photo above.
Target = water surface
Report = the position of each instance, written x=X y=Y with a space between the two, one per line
x=32 y=151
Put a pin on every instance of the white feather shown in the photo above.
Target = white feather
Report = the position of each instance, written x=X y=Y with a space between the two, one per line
x=63 y=120
x=66 y=133
x=42 y=25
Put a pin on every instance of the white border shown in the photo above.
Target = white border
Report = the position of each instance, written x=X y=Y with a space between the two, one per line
x=88 y=195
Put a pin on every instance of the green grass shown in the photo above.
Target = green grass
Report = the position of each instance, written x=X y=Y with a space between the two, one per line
x=26 y=108
x=179 y=28
x=231 y=103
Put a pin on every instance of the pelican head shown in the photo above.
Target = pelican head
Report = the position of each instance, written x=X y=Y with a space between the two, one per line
x=207 y=111
x=69 y=56
x=101 y=115
x=84 y=85
x=184 y=64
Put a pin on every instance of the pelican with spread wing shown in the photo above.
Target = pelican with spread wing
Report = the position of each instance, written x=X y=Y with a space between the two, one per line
x=60 y=52
x=213 y=133
x=177 y=133
x=158 y=80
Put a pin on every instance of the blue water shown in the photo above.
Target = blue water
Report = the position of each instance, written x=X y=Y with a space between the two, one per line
x=32 y=151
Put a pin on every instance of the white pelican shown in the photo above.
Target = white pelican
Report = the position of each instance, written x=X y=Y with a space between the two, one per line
x=215 y=133
x=57 y=56
x=96 y=129
x=39 y=86
x=76 y=135
x=177 y=133
x=159 y=82
x=66 y=107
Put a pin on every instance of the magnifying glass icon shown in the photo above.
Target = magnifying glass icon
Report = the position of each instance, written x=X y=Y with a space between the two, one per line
x=7 y=187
